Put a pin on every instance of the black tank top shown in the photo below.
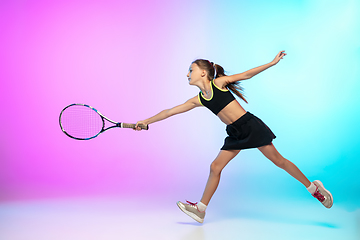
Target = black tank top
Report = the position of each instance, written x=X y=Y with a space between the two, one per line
x=219 y=99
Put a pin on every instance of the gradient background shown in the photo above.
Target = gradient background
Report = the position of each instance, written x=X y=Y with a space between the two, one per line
x=129 y=59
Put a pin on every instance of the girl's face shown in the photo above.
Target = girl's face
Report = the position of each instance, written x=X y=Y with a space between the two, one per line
x=194 y=74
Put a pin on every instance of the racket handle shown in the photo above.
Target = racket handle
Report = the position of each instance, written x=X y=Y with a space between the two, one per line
x=131 y=125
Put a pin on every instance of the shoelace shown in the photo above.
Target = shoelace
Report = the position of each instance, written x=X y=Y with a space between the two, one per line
x=191 y=203
x=318 y=195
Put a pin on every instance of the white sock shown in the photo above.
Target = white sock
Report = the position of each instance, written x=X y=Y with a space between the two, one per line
x=201 y=206
x=312 y=188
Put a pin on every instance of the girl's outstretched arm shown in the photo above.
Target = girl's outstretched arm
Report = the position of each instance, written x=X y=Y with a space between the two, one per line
x=252 y=72
x=188 y=105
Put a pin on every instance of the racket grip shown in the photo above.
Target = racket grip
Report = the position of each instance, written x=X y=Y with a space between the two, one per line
x=131 y=125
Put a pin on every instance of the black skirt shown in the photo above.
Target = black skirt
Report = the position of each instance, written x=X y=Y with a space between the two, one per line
x=247 y=132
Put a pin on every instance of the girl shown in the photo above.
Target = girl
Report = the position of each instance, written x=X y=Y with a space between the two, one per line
x=243 y=128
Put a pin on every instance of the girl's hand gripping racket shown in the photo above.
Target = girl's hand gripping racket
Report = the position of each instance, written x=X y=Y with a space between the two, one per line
x=82 y=122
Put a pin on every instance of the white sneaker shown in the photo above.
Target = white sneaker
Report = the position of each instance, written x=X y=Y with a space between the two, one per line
x=323 y=195
x=192 y=210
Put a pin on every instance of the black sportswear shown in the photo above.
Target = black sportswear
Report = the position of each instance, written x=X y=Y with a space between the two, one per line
x=219 y=99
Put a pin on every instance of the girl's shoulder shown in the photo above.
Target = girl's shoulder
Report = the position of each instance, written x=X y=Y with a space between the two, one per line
x=221 y=83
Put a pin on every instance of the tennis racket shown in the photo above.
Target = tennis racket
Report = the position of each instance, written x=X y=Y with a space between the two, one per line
x=83 y=122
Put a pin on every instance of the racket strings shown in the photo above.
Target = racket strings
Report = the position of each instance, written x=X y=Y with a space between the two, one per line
x=81 y=122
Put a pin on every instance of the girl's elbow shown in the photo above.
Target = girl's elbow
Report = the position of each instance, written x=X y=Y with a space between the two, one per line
x=167 y=113
x=246 y=77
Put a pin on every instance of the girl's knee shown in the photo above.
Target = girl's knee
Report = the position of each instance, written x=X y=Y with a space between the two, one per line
x=280 y=162
x=215 y=168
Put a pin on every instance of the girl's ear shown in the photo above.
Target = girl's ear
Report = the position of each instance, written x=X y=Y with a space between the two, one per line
x=203 y=74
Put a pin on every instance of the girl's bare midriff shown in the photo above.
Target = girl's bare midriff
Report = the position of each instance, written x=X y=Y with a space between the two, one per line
x=232 y=112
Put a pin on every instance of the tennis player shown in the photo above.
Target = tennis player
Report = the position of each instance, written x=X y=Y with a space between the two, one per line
x=244 y=129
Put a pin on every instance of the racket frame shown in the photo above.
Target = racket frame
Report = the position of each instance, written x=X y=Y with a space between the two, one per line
x=103 y=129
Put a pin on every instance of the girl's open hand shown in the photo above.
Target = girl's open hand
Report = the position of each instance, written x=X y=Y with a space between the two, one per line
x=279 y=56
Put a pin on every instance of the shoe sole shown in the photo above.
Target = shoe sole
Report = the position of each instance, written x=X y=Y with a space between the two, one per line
x=190 y=214
x=320 y=184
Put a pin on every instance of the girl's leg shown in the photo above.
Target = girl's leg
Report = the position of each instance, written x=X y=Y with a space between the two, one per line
x=271 y=153
x=216 y=167
x=317 y=189
x=197 y=210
